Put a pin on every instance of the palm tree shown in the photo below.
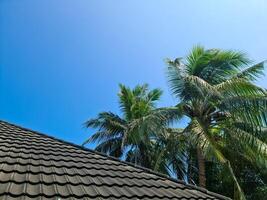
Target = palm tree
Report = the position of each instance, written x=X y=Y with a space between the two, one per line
x=227 y=111
x=131 y=135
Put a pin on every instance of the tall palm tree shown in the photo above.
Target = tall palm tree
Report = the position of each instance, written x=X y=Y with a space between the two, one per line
x=132 y=135
x=227 y=111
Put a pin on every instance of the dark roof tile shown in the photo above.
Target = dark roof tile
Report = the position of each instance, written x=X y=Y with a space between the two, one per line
x=36 y=166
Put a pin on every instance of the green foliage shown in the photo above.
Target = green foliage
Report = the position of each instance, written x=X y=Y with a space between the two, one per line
x=227 y=110
x=227 y=121
x=141 y=134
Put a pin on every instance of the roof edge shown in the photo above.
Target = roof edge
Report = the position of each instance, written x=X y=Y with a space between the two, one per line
x=190 y=186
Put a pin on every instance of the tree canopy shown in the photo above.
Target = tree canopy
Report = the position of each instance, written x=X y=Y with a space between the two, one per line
x=227 y=114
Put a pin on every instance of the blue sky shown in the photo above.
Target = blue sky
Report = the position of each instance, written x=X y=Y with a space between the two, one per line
x=61 y=60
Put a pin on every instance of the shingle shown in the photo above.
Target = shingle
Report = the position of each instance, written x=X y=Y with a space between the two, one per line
x=36 y=166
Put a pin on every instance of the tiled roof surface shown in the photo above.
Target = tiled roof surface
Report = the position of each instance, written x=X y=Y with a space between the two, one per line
x=36 y=166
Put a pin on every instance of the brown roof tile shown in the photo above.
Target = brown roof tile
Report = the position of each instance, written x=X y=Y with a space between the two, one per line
x=36 y=166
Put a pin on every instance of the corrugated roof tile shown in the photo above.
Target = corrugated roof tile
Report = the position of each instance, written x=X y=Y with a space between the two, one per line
x=36 y=166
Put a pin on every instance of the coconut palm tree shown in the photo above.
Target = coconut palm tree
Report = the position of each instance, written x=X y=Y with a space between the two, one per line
x=134 y=135
x=227 y=111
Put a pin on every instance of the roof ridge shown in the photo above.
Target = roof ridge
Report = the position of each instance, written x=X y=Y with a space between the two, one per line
x=147 y=170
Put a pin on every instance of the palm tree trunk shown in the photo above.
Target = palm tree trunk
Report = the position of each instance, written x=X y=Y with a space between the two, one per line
x=201 y=168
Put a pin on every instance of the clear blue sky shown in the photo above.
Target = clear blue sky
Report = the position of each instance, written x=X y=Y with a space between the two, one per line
x=61 y=60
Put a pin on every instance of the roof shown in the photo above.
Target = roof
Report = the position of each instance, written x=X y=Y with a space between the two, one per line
x=37 y=166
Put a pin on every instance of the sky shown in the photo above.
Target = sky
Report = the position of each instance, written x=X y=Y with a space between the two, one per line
x=61 y=60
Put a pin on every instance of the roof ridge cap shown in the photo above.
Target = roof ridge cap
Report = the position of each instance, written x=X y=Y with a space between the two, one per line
x=147 y=170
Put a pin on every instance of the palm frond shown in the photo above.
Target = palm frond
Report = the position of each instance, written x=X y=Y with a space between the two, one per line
x=196 y=58
x=238 y=86
x=170 y=139
x=188 y=86
x=126 y=100
x=154 y=95
x=208 y=144
x=111 y=147
x=251 y=73
x=250 y=109
x=257 y=131
x=249 y=141
x=98 y=137
x=215 y=65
